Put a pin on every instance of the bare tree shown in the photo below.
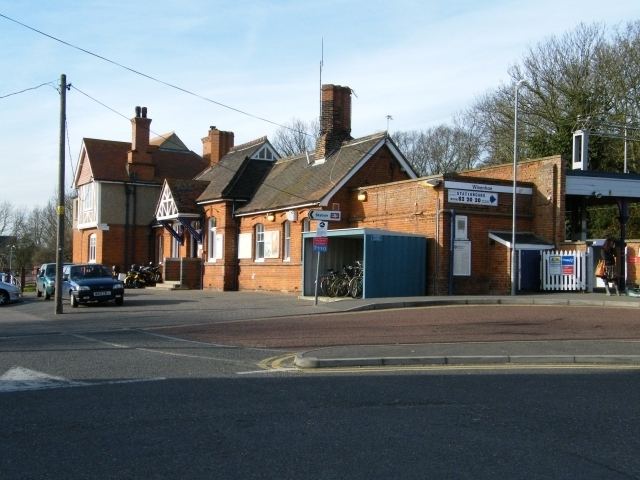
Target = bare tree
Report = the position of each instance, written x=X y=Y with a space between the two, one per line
x=582 y=75
x=439 y=149
x=6 y=216
x=296 y=137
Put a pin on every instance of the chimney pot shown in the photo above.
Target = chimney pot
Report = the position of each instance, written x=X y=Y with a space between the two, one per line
x=138 y=112
x=144 y=112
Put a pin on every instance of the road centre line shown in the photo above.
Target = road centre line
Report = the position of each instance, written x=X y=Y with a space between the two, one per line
x=158 y=351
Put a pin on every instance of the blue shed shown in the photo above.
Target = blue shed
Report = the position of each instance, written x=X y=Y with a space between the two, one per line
x=395 y=264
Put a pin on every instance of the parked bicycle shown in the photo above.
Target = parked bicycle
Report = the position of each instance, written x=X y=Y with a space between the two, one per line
x=346 y=282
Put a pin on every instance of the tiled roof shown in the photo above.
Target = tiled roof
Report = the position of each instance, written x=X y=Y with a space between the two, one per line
x=235 y=176
x=299 y=180
x=185 y=193
x=169 y=141
x=108 y=160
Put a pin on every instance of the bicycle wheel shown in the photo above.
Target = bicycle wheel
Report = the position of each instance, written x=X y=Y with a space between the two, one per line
x=325 y=283
x=355 y=287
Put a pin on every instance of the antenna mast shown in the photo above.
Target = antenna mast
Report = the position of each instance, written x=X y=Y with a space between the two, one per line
x=321 y=65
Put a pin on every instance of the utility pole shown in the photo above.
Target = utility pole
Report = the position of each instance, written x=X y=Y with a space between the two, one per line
x=60 y=206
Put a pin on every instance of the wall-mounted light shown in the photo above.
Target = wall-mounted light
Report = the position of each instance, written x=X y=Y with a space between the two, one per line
x=362 y=196
x=271 y=217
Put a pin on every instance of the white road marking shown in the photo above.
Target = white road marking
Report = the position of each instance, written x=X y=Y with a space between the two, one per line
x=271 y=370
x=19 y=379
x=156 y=351
x=178 y=339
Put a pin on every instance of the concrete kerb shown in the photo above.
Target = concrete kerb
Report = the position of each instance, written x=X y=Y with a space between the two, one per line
x=310 y=362
x=524 y=300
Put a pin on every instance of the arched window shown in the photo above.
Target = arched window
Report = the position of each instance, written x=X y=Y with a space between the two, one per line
x=259 y=229
x=93 y=241
x=286 y=235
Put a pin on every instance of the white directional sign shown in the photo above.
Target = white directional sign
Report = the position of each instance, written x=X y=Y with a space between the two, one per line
x=326 y=215
x=321 y=230
x=473 y=198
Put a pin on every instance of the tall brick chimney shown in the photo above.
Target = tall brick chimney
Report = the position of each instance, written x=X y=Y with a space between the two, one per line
x=335 y=119
x=139 y=160
x=216 y=145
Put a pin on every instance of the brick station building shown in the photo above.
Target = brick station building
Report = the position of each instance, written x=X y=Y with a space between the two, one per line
x=242 y=221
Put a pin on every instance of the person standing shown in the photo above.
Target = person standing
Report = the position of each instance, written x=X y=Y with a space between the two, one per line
x=608 y=255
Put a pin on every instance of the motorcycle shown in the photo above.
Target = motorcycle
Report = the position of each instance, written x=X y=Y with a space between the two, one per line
x=153 y=273
x=135 y=278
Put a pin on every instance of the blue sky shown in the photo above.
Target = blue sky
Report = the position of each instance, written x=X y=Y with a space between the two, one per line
x=419 y=61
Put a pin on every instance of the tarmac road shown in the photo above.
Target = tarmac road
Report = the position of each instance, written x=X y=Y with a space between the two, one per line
x=473 y=323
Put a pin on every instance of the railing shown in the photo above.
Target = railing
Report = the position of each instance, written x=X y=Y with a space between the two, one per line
x=565 y=270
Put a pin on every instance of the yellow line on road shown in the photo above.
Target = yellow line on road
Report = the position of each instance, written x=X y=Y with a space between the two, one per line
x=274 y=363
x=460 y=368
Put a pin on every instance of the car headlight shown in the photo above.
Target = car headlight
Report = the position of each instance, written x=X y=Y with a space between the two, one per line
x=82 y=288
x=118 y=286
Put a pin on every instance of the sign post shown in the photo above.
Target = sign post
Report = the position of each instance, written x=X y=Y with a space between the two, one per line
x=320 y=245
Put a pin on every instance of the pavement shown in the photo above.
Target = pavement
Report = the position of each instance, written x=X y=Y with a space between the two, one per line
x=618 y=352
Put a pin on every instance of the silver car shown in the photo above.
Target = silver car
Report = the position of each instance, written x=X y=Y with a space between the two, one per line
x=9 y=289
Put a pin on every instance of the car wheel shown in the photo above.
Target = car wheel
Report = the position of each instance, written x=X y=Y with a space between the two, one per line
x=119 y=301
x=73 y=301
x=4 y=298
x=38 y=293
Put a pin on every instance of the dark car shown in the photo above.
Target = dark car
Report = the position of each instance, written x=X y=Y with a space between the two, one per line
x=90 y=283
x=46 y=280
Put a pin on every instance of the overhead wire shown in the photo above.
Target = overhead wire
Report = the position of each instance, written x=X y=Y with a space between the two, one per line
x=26 y=89
x=217 y=165
x=155 y=79
x=151 y=77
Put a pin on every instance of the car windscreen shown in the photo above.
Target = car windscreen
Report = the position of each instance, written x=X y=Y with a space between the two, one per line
x=89 y=271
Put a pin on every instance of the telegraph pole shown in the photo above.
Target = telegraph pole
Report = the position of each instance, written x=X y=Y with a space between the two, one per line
x=60 y=206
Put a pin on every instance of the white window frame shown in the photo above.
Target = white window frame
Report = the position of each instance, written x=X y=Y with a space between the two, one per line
x=461 y=227
x=259 y=245
x=175 y=243
x=286 y=239
x=88 y=205
x=214 y=241
x=272 y=244
x=93 y=248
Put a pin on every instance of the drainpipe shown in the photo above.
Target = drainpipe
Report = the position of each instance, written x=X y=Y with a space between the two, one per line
x=436 y=262
x=127 y=192
x=134 y=221
x=236 y=261
x=452 y=238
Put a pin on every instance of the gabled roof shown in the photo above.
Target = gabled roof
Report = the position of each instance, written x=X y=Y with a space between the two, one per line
x=169 y=141
x=108 y=161
x=178 y=198
x=237 y=175
x=302 y=180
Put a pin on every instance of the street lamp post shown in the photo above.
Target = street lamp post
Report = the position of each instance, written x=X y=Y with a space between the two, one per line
x=515 y=178
x=11 y=248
